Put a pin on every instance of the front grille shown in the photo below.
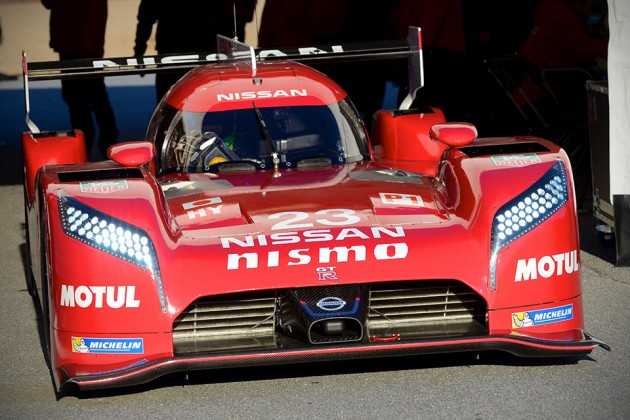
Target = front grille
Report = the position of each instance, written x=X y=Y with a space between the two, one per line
x=232 y=321
x=395 y=311
x=427 y=309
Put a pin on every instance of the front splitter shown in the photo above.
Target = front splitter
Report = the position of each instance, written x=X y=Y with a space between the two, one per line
x=518 y=345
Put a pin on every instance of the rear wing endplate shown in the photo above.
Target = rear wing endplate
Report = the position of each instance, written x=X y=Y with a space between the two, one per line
x=27 y=103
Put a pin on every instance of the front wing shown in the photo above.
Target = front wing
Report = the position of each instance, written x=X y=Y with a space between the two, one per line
x=570 y=343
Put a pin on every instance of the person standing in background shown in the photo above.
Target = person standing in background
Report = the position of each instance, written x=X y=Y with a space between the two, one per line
x=317 y=22
x=560 y=37
x=77 y=31
x=562 y=48
x=190 y=27
x=447 y=64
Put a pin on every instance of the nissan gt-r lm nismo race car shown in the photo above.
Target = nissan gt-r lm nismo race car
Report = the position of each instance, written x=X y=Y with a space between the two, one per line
x=258 y=224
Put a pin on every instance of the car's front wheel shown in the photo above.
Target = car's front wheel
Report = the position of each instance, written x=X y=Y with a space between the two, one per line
x=30 y=279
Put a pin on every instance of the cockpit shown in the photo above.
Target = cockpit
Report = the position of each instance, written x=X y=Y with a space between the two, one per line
x=258 y=137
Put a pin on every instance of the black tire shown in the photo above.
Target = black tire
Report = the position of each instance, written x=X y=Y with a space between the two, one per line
x=605 y=238
x=30 y=279
x=45 y=307
x=45 y=301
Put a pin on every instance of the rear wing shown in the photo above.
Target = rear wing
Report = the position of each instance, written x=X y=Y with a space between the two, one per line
x=229 y=50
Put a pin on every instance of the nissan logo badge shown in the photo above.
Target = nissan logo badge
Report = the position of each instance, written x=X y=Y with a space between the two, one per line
x=331 y=303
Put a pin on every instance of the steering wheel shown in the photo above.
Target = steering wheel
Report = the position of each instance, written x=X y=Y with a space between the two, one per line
x=207 y=149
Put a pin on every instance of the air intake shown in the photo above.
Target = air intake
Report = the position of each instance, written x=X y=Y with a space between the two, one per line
x=232 y=322
x=329 y=315
x=426 y=309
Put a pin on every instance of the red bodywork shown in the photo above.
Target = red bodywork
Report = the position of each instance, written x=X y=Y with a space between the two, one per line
x=418 y=214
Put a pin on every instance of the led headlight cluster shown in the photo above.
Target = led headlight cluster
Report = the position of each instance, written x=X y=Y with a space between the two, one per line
x=106 y=233
x=528 y=210
x=110 y=235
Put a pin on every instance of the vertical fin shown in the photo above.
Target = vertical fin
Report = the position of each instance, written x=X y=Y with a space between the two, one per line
x=236 y=50
x=27 y=105
x=416 y=66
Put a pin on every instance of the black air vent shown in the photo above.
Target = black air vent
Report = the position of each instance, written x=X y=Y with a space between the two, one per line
x=221 y=323
x=100 y=175
x=416 y=110
x=425 y=309
x=498 y=149
x=294 y=318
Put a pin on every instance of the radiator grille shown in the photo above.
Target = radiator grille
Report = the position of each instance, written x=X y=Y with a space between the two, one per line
x=399 y=310
x=433 y=309
x=235 y=321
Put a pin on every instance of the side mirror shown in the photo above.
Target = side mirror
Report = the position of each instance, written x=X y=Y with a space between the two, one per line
x=133 y=154
x=455 y=134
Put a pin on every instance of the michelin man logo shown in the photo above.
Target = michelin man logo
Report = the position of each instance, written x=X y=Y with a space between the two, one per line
x=522 y=319
x=79 y=346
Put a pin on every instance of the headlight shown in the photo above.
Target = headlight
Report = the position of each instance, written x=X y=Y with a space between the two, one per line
x=110 y=235
x=523 y=213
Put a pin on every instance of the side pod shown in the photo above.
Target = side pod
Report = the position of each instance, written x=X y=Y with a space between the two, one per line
x=402 y=140
x=50 y=148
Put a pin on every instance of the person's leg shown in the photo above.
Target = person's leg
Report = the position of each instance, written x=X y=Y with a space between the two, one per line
x=104 y=114
x=73 y=92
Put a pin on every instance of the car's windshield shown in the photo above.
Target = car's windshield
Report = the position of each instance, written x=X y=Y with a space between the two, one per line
x=300 y=135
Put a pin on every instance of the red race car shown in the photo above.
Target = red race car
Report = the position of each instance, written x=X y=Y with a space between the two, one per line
x=259 y=224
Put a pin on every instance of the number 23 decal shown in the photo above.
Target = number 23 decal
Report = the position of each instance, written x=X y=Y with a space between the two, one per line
x=329 y=217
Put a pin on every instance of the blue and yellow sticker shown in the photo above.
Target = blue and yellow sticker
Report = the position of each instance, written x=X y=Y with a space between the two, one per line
x=107 y=345
x=542 y=316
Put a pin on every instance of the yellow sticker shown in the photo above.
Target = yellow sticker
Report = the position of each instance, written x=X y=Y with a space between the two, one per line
x=218 y=159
